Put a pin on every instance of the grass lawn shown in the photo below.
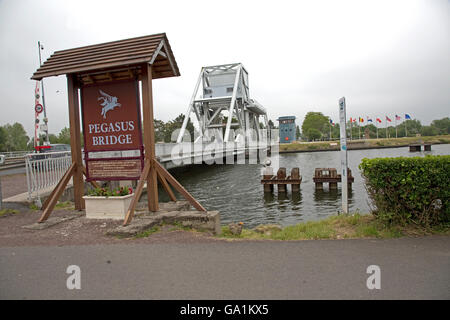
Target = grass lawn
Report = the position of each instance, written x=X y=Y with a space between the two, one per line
x=335 y=227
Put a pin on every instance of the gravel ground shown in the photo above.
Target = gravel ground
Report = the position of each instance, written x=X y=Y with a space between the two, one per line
x=79 y=231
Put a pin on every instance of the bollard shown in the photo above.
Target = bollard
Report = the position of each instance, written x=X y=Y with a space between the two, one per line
x=281 y=175
x=295 y=174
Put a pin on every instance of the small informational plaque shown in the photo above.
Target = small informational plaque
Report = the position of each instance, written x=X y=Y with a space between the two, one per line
x=114 y=169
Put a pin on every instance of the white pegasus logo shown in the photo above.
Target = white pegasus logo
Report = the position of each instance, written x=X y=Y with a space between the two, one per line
x=109 y=103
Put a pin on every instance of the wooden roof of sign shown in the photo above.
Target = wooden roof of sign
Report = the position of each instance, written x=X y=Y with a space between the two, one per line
x=113 y=60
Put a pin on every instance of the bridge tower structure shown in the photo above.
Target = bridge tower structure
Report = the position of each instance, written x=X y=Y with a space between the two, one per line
x=221 y=100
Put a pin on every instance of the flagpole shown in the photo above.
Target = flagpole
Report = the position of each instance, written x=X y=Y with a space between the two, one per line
x=376 y=125
x=351 y=129
x=359 y=129
x=396 y=126
x=406 y=130
x=47 y=142
x=330 y=133
x=385 y=120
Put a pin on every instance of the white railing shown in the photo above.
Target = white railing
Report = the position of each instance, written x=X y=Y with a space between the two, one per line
x=44 y=170
x=15 y=154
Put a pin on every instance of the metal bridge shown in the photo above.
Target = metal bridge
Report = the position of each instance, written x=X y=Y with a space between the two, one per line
x=221 y=100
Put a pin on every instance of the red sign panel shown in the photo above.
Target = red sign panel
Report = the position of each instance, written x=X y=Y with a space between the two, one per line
x=111 y=118
x=112 y=122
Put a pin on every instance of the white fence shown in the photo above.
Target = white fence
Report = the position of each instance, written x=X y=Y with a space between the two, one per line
x=15 y=154
x=44 y=170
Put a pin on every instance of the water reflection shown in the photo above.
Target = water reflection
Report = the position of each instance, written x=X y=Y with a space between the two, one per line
x=297 y=199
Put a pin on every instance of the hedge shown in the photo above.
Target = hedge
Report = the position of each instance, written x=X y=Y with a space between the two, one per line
x=414 y=189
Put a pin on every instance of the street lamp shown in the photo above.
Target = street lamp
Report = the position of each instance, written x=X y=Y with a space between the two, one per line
x=47 y=142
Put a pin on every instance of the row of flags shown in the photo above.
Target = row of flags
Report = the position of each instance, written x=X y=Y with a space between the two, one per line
x=378 y=120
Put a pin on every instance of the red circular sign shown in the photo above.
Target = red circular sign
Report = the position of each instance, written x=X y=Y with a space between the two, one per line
x=286 y=138
x=38 y=108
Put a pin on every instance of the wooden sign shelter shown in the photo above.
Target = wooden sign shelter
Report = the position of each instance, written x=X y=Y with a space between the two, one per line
x=140 y=59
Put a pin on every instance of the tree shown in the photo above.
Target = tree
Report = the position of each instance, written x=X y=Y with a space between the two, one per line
x=159 y=130
x=429 y=131
x=442 y=125
x=64 y=136
x=177 y=123
x=317 y=121
x=52 y=138
x=297 y=132
x=164 y=130
x=313 y=134
x=272 y=125
x=335 y=131
x=16 y=137
x=2 y=139
x=412 y=128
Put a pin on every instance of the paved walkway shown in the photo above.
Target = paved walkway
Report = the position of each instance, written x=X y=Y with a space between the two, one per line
x=13 y=185
x=411 y=268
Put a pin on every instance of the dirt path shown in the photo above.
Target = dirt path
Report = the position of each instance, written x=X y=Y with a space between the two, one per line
x=79 y=231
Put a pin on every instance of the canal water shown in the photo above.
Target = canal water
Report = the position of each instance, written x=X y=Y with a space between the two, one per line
x=236 y=190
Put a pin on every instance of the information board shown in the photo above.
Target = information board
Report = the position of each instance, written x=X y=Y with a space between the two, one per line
x=111 y=122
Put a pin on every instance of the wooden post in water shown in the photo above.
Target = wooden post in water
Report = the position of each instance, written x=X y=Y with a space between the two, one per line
x=350 y=178
x=267 y=174
x=318 y=174
x=333 y=174
x=281 y=175
x=295 y=174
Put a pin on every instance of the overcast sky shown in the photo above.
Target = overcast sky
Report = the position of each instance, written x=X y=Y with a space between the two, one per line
x=385 y=57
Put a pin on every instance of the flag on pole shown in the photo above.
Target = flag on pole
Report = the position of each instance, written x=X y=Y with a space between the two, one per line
x=331 y=122
x=387 y=119
x=379 y=120
x=369 y=120
x=361 y=119
x=407 y=116
x=398 y=117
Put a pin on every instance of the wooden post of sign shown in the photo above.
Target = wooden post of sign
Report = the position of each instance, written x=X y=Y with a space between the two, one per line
x=149 y=136
x=138 y=192
x=75 y=141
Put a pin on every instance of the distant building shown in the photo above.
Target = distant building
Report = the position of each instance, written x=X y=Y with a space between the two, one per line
x=287 y=129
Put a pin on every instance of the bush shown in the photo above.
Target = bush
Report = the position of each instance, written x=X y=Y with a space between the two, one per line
x=409 y=189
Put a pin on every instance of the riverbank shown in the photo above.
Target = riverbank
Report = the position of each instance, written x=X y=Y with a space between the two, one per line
x=75 y=229
x=361 y=144
x=344 y=226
